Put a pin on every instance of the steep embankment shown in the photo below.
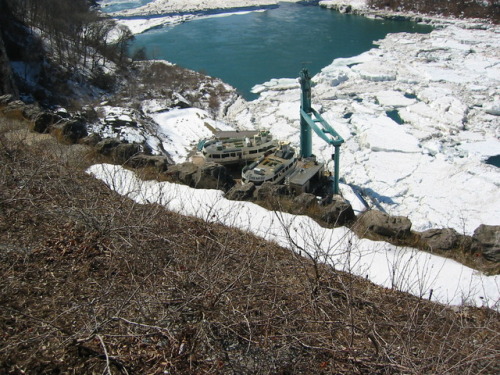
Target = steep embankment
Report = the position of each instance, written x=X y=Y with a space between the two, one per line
x=92 y=282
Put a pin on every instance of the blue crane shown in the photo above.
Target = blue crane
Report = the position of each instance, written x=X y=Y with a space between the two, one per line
x=310 y=119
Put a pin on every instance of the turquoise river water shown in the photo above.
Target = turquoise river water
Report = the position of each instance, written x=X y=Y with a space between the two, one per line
x=249 y=48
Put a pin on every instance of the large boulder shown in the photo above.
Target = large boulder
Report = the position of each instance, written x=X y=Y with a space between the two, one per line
x=338 y=212
x=119 y=151
x=184 y=172
x=382 y=224
x=43 y=121
x=241 y=192
x=69 y=131
x=207 y=176
x=213 y=176
x=268 y=190
x=180 y=101
x=441 y=239
x=488 y=241
x=124 y=151
x=106 y=146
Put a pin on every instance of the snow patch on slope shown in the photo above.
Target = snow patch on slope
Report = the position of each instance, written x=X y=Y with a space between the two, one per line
x=416 y=272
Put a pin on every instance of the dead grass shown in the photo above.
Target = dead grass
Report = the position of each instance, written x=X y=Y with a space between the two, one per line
x=92 y=282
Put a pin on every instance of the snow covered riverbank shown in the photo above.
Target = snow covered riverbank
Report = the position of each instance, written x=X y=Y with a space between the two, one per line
x=409 y=270
x=442 y=87
x=162 y=13
x=157 y=7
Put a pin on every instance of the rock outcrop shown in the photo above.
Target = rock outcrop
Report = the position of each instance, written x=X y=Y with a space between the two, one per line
x=441 y=239
x=119 y=151
x=207 y=176
x=268 y=190
x=304 y=201
x=43 y=121
x=106 y=146
x=184 y=173
x=69 y=130
x=487 y=239
x=380 y=223
x=213 y=176
x=241 y=192
x=338 y=212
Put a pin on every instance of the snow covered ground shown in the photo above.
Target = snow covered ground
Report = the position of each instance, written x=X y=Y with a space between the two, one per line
x=342 y=4
x=162 y=13
x=156 y=7
x=408 y=270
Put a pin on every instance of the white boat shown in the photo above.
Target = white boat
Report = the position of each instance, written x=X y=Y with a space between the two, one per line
x=271 y=168
x=234 y=147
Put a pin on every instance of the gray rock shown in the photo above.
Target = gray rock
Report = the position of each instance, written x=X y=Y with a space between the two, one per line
x=241 y=192
x=488 y=239
x=69 y=130
x=441 y=239
x=31 y=111
x=181 y=102
x=268 y=190
x=213 y=176
x=381 y=223
x=142 y=161
x=338 y=212
x=304 y=201
x=184 y=172
x=207 y=176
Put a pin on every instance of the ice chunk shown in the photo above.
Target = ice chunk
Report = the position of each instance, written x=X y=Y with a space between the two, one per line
x=383 y=134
